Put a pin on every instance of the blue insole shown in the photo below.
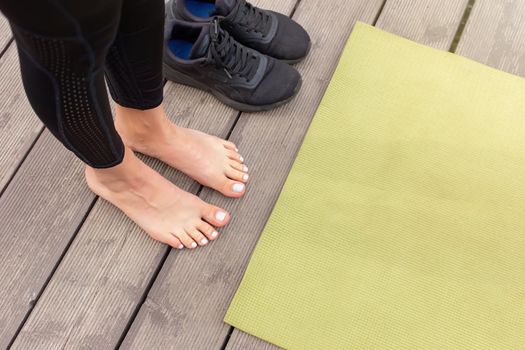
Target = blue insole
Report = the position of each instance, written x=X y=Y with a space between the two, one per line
x=180 y=48
x=201 y=8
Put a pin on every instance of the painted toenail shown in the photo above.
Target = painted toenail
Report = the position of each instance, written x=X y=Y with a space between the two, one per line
x=181 y=247
x=220 y=215
x=241 y=159
x=194 y=245
x=204 y=241
x=238 y=188
x=245 y=177
x=214 y=234
x=245 y=168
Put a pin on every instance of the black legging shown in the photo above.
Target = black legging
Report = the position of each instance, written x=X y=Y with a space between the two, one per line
x=66 y=46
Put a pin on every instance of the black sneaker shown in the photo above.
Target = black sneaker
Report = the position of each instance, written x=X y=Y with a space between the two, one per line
x=204 y=56
x=268 y=32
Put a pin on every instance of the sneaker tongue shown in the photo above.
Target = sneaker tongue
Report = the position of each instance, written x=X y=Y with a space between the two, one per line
x=201 y=45
x=224 y=7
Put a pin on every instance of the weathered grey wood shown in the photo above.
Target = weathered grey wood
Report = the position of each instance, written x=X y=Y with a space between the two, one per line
x=185 y=308
x=495 y=35
x=111 y=261
x=39 y=214
x=428 y=22
x=19 y=126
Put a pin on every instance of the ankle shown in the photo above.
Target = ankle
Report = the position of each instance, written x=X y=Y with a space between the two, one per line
x=128 y=175
x=140 y=127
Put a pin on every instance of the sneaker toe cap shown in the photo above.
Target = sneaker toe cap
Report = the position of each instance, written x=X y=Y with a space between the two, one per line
x=291 y=41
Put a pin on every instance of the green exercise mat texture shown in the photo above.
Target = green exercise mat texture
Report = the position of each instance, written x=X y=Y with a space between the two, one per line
x=402 y=222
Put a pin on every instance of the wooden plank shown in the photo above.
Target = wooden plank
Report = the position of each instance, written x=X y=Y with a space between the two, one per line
x=494 y=35
x=19 y=126
x=39 y=214
x=186 y=305
x=109 y=265
x=427 y=22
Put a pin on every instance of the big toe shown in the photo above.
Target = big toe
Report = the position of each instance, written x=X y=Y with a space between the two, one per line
x=231 y=188
x=215 y=216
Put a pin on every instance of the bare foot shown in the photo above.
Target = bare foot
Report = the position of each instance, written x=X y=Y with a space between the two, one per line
x=211 y=161
x=167 y=213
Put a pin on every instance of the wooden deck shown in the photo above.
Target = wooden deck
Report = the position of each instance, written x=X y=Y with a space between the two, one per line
x=77 y=274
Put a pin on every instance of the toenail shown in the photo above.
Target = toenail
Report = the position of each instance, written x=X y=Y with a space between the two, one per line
x=245 y=168
x=194 y=245
x=214 y=234
x=204 y=241
x=238 y=188
x=245 y=177
x=180 y=247
x=236 y=149
x=241 y=159
x=220 y=215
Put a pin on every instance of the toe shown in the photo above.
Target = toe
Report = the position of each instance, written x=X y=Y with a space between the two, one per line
x=237 y=175
x=186 y=240
x=197 y=236
x=208 y=230
x=231 y=146
x=216 y=216
x=232 y=188
x=238 y=166
x=235 y=156
x=174 y=242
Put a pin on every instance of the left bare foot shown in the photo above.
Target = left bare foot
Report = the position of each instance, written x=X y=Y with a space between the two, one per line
x=211 y=161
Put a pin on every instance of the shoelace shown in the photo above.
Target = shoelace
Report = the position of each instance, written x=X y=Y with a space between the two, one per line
x=251 y=17
x=228 y=54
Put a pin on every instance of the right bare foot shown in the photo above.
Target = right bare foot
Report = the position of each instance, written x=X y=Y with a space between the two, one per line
x=167 y=213
x=209 y=160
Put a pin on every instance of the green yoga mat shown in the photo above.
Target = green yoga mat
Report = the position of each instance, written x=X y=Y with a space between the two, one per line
x=402 y=222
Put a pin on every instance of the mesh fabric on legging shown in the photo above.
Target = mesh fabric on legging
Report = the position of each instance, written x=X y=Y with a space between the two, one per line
x=66 y=46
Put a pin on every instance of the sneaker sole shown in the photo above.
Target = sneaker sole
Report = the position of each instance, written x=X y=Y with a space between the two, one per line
x=181 y=78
